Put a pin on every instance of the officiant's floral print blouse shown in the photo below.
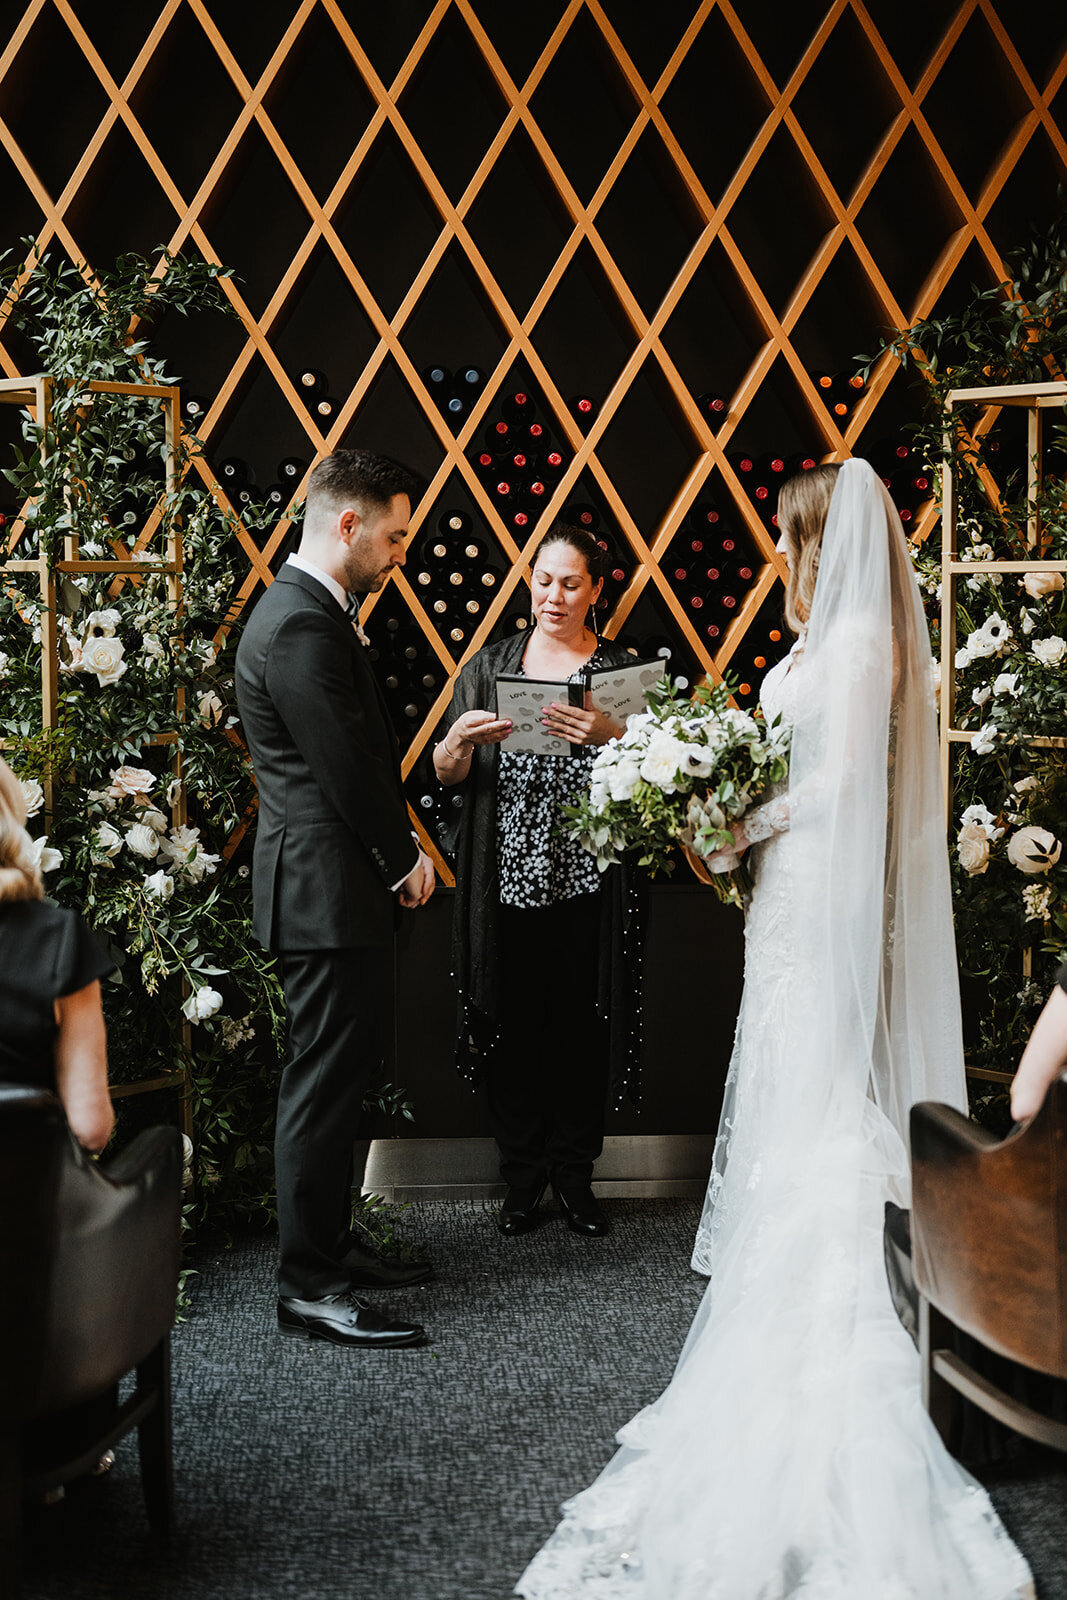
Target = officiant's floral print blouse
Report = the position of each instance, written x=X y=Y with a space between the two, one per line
x=538 y=864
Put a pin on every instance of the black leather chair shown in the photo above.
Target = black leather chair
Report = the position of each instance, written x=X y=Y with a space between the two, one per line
x=89 y=1261
x=988 y=1254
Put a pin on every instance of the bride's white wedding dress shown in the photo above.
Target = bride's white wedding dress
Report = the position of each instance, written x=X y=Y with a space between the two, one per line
x=790 y=1455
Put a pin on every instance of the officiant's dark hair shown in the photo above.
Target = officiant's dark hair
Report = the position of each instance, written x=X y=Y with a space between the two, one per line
x=803 y=505
x=350 y=476
x=579 y=539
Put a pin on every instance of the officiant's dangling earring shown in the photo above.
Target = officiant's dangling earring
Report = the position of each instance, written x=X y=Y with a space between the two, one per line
x=595 y=620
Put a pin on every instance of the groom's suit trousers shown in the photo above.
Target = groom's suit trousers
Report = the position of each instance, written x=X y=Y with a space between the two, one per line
x=334 y=1000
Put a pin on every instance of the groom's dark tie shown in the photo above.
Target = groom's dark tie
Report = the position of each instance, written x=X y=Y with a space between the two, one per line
x=352 y=607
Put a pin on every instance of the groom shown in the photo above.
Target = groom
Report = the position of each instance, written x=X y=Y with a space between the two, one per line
x=334 y=854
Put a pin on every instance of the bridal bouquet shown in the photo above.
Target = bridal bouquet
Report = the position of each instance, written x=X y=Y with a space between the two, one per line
x=680 y=774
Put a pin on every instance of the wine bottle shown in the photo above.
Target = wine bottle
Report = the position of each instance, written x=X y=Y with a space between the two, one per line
x=497 y=436
x=520 y=519
x=454 y=524
x=584 y=409
x=553 y=461
x=704 y=515
x=470 y=380
x=275 y=498
x=581 y=515
x=291 y=469
x=536 y=433
x=518 y=407
x=326 y=408
x=456 y=406
x=439 y=382
x=311 y=382
x=233 y=471
x=713 y=406
x=193 y=409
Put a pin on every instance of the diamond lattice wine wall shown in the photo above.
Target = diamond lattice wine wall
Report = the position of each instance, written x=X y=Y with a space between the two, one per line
x=648 y=206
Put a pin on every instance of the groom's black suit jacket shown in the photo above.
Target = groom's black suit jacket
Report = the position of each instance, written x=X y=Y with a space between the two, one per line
x=333 y=833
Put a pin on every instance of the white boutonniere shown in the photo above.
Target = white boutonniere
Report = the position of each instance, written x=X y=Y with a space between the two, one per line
x=360 y=634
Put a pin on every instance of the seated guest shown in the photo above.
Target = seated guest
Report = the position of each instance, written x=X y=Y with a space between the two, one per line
x=1045 y=1056
x=544 y=947
x=51 y=1021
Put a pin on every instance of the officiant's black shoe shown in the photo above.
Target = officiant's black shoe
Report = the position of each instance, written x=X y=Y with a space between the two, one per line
x=342 y=1319
x=368 y=1270
x=580 y=1211
x=518 y=1214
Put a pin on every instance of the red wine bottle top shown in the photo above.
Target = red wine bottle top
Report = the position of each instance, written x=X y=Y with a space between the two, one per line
x=696 y=545
x=519 y=461
x=520 y=519
x=856 y=382
x=728 y=545
x=759 y=661
x=521 y=399
x=696 y=601
x=554 y=459
x=584 y=405
x=728 y=602
x=761 y=492
x=680 y=574
x=775 y=635
x=618 y=574
x=713 y=574
x=905 y=513
x=922 y=483
x=503 y=487
x=502 y=429
x=602 y=544
x=808 y=464
x=825 y=381
x=713 y=630
x=537 y=487
x=840 y=409
x=536 y=430
x=776 y=464
x=485 y=459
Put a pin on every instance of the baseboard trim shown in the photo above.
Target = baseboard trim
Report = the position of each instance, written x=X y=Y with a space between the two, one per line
x=633 y=1166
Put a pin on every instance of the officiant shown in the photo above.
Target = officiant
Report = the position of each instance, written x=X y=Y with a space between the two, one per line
x=545 y=948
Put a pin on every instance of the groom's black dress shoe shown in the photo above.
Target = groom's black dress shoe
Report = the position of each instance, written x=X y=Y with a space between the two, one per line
x=342 y=1319
x=581 y=1212
x=518 y=1214
x=368 y=1270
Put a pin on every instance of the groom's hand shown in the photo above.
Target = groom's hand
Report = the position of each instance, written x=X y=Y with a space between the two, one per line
x=419 y=884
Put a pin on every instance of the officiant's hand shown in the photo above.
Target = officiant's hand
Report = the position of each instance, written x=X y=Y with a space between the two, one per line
x=581 y=725
x=477 y=727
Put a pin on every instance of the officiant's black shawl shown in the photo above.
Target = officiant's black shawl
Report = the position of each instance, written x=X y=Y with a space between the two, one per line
x=471 y=841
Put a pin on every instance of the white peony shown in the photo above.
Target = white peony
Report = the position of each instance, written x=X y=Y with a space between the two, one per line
x=623 y=778
x=108 y=839
x=132 y=781
x=1033 y=850
x=663 y=758
x=980 y=696
x=202 y=1003
x=1039 y=584
x=1006 y=683
x=152 y=647
x=102 y=624
x=143 y=841
x=32 y=794
x=980 y=644
x=43 y=855
x=982 y=816
x=159 y=885
x=1026 y=785
x=972 y=847
x=187 y=854
x=1027 y=623
x=104 y=657
x=4 y=660
x=984 y=742
x=1050 y=652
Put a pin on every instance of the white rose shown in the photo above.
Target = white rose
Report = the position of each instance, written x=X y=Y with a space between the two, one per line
x=972 y=847
x=623 y=778
x=980 y=814
x=210 y=709
x=963 y=658
x=1033 y=850
x=984 y=742
x=187 y=854
x=159 y=885
x=1039 y=584
x=1050 y=652
x=980 y=696
x=208 y=653
x=202 y=1003
x=102 y=624
x=43 y=856
x=4 y=660
x=151 y=647
x=154 y=819
x=104 y=657
x=33 y=795
x=1006 y=683
x=131 y=781
x=90 y=549
x=1027 y=623
x=143 y=841
x=108 y=839
x=662 y=760
x=1026 y=785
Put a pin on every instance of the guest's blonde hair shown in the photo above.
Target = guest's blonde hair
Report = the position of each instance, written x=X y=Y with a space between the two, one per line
x=802 y=507
x=19 y=878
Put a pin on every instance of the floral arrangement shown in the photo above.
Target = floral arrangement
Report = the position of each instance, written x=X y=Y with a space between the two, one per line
x=1010 y=793
x=679 y=775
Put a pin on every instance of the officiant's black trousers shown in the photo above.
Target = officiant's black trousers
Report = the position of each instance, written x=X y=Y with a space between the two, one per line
x=548 y=1081
x=335 y=1001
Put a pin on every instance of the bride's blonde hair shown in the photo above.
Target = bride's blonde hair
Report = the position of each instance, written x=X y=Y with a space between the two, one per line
x=802 y=507
x=19 y=878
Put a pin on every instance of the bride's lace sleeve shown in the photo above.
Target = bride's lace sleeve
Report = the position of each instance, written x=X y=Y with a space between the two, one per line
x=762 y=821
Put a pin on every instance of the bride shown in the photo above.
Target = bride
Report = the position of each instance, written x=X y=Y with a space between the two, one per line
x=791 y=1454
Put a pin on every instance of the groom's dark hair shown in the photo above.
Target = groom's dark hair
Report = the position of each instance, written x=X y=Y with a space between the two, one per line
x=360 y=479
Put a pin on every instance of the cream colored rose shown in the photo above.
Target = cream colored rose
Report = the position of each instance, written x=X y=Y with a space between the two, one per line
x=4 y=660
x=104 y=657
x=152 y=647
x=202 y=1003
x=108 y=839
x=131 y=781
x=1050 y=652
x=972 y=847
x=43 y=855
x=159 y=885
x=32 y=794
x=1039 y=584
x=154 y=819
x=143 y=841
x=1033 y=850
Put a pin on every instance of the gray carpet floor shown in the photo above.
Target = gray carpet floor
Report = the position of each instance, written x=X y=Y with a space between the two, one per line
x=316 y=1473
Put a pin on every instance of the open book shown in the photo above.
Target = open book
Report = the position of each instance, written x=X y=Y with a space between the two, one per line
x=619 y=692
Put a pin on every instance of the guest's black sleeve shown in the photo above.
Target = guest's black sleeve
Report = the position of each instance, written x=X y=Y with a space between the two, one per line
x=79 y=958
